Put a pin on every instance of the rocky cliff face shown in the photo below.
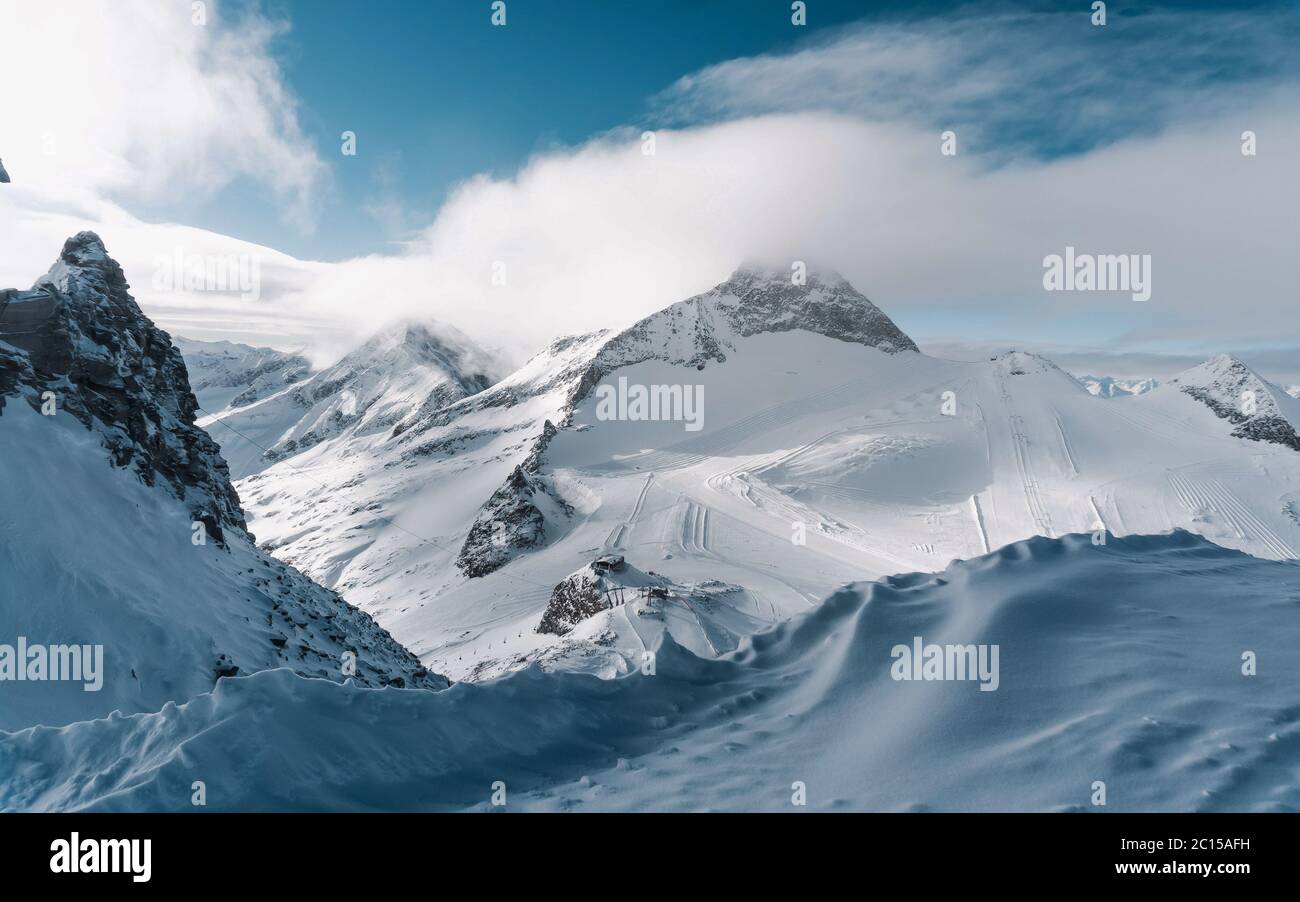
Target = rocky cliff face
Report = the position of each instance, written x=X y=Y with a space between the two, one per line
x=575 y=598
x=89 y=350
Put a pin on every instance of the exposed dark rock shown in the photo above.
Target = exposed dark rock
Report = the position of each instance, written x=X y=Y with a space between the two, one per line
x=1223 y=384
x=575 y=598
x=88 y=342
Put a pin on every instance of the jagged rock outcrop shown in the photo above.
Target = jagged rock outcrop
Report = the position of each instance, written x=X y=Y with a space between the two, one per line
x=592 y=589
x=108 y=547
x=91 y=352
x=575 y=598
x=514 y=518
x=4 y=176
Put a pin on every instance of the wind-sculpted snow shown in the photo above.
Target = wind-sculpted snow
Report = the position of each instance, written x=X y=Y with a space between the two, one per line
x=1120 y=663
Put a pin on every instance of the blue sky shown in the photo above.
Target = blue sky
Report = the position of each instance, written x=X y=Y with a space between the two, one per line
x=436 y=94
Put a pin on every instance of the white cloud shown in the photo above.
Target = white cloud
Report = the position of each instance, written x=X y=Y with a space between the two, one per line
x=952 y=247
x=131 y=100
x=603 y=235
x=1011 y=83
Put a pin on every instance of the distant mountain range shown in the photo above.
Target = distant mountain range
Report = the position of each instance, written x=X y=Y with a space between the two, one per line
x=1108 y=387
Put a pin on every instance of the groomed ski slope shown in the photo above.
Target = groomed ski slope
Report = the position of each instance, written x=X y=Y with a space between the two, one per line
x=864 y=457
x=1119 y=663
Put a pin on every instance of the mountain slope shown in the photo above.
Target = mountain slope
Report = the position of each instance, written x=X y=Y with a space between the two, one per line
x=1258 y=410
x=1119 y=663
x=224 y=374
x=406 y=370
x=124 y=530
x=820 y=462
x=697 y=332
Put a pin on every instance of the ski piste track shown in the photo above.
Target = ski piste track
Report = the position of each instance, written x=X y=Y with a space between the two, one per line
x=618 y=536
x=1204 y=496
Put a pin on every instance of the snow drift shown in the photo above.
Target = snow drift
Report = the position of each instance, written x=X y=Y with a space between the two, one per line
x=1120 y=663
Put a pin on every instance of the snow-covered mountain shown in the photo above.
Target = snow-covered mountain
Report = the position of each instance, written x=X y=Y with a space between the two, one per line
x=823 y=449
x=224 y=374
x=1119 y=663
x=1110 y=387
x=1257 y=409
x=697 y=332
x=121 y=528
x=459 y=484
x=400 y=375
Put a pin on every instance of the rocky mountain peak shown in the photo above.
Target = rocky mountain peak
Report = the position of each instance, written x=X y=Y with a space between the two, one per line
x=760 y=299
x=1258 y=410
x=79 y=341
x=83 y=260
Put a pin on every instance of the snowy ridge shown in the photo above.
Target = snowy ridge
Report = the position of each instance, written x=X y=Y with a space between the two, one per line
x=224 y=374
x=404 y=374
x=1088 y=690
